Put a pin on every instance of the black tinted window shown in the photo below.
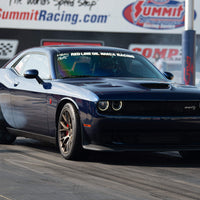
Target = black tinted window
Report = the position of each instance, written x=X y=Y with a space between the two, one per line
x=106 y=64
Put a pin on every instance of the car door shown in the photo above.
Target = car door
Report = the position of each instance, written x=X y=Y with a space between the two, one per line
x=28 y=97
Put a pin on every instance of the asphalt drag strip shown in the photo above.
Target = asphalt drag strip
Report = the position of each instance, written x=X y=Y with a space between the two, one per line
x=33 y=170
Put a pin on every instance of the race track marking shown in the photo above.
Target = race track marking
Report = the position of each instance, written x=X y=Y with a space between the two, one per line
x=1 y=196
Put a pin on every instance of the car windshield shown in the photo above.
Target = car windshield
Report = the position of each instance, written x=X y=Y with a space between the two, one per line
x=104 y=64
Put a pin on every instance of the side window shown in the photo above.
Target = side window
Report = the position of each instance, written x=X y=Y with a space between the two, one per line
x=21 y=65
x=34 y=61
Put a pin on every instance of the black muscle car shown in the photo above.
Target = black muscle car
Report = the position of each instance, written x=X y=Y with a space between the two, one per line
x=97 y=98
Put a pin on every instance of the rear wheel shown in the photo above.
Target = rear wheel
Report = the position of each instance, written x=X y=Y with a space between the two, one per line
x=190 y=155
x=6 y=138
x=69 y=133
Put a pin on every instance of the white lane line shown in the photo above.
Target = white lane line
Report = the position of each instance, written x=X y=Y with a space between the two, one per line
x=1 y=196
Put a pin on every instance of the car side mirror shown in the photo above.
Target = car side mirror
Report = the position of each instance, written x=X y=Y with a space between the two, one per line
x=33 y=73
x=168 y=75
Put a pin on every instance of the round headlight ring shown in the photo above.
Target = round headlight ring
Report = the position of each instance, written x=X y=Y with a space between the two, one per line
x=117 y=105
x=103 y=105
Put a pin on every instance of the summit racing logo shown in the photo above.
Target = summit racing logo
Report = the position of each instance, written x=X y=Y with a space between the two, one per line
x=44 y=15
x=156 y=14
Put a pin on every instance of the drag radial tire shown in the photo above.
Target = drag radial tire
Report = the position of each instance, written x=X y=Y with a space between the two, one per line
x=6 y=138
x=69 y=133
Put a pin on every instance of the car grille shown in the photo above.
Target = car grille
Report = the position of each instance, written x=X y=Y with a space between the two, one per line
x=158 y=108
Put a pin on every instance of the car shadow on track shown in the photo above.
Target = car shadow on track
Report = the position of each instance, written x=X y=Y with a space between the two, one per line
x=35 y=144
x=157 y=159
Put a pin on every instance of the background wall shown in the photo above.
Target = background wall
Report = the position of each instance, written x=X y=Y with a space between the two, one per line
x=145 y=26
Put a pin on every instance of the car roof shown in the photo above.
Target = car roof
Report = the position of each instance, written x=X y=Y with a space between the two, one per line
x=65 y=48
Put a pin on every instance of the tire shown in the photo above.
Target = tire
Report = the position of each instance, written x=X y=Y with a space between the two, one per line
x=69 y=133
x=190 y=155
x=6 y=138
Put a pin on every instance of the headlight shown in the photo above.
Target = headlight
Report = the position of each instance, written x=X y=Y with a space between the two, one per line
x=117 y=105
x=103 y=105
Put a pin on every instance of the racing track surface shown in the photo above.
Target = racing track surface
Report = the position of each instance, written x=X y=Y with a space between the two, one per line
x=31 y=170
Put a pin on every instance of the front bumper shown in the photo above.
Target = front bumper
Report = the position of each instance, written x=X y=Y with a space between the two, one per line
x=114 y=133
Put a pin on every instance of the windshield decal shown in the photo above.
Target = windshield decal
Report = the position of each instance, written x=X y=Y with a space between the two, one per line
x=111 y=54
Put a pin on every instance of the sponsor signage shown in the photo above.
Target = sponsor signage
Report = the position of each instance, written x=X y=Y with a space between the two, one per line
x=171 y=54
x=156 y=14
x=130 y=16
x=53 y=14
x=8 y=49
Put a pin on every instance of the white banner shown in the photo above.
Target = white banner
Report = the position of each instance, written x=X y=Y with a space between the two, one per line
x=134 y=16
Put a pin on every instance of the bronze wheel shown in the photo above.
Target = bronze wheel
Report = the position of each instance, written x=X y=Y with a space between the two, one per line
x=69 y=136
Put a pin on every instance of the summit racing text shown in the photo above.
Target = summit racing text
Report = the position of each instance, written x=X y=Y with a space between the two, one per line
x=43 y=15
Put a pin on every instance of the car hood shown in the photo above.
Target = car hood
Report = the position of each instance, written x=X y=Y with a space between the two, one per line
x=130 y=88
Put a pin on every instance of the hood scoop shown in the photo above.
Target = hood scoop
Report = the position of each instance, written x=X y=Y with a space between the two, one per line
x=107 y=85
x=156 y=85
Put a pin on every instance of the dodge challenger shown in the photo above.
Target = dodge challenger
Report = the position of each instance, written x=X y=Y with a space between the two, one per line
x=97 y=98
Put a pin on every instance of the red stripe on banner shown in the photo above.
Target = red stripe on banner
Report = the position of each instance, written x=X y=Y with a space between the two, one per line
x=48 y=43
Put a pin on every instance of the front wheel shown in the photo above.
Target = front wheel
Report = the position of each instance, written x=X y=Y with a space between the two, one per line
x=69 y=133
x=190 y=155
